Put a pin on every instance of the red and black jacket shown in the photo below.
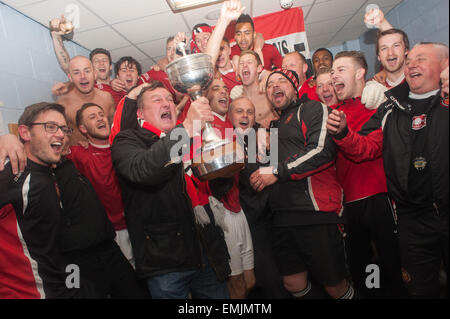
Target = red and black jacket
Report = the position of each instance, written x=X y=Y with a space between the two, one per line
x=306 y=165
x=389 y=132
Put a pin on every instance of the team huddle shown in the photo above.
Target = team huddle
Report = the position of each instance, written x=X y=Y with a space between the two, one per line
x=360 y=176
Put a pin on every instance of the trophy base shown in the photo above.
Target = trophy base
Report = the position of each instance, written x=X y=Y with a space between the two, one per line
x=223 y=161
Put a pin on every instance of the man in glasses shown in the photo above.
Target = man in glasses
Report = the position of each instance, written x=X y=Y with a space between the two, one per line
x=32 y=265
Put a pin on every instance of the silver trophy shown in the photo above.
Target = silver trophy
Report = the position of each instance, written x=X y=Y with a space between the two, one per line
x=192 y=74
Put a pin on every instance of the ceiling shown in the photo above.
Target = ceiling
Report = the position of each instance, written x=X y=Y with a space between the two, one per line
x=140 y=27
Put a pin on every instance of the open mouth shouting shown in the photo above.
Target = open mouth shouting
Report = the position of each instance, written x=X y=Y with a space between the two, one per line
x=244 y=123
x=129 y=83
x=57 y=147
x=392 y=62
x=166 y=116
x=414 y=75
x=278 y=95
x=328 y=98
x=84 y=84
x=223 y=102
x=339 y=87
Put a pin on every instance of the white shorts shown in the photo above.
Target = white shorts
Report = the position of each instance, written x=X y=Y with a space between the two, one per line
x=239 y=242
x=123 y=240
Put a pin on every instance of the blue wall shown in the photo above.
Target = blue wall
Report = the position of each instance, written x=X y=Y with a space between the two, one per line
x=28 y=64
x=421 y=20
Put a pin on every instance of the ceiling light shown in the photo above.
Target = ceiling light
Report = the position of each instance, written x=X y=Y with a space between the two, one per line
x=181 y=5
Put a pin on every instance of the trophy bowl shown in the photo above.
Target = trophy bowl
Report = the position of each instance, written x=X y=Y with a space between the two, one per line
x=192 y=74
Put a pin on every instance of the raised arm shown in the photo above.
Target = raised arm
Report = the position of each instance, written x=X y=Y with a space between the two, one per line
x=57 y=30
x=231 y=10
x=376 y=17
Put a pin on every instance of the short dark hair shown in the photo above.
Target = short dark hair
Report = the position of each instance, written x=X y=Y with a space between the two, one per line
x=245 y=18
x=100 y=51
x=357 y=56
x=130 y=61
x=251 y=52
x=169 y=39
x=32 y=111
x=79 y=115
x=153 y=86
x=323 y=49
x=392 y=31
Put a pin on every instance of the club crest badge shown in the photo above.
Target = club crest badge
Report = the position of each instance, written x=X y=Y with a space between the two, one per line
x=419 y=122
x=420 y=163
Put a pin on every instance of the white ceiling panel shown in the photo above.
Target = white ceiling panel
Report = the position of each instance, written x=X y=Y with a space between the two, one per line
x=199 y=15
x=157 y=26
x=329 y=26
x=127 y=51
x=146 y=64
x=140 y=27
x=261 y=7
x=125 y=10
x=154 y=48
x=45 y=11
x=101 y=38
x=319 y=41
x=333 y=9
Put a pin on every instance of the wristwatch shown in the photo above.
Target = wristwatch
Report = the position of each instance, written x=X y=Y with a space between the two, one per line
x=275 y=171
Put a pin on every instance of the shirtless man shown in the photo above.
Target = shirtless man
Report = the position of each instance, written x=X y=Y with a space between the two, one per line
x=249 y=68
x=81 y=75
x=100 y=58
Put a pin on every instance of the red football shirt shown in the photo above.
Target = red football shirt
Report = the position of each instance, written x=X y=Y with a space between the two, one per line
x=271 y=56
x=117 y=96
x=95 y=163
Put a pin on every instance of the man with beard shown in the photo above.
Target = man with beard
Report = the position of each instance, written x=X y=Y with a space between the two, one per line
x=81 y=74
x=306 y=197
x=368 y=214
x=322 y=59
x=410 y=131
x=33 y=266
x=244 y=34
x=392 y=50
x=238 y=236
x=95 y=163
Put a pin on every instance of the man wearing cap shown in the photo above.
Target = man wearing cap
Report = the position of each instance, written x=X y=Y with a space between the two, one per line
x=306 y=197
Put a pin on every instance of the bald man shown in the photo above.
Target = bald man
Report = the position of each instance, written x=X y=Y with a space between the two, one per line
x=410 y=132
x=81 y=74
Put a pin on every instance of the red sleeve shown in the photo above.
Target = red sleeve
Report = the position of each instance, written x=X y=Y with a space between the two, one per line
x=115 y=129
x=360 y=148
x=235 y=50
x=277 y=59
x=183 y=114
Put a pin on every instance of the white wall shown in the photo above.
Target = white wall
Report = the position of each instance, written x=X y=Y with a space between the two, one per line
x=28 y=63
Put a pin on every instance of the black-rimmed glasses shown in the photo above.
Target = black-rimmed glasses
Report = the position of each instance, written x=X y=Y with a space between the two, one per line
x=53 y=128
